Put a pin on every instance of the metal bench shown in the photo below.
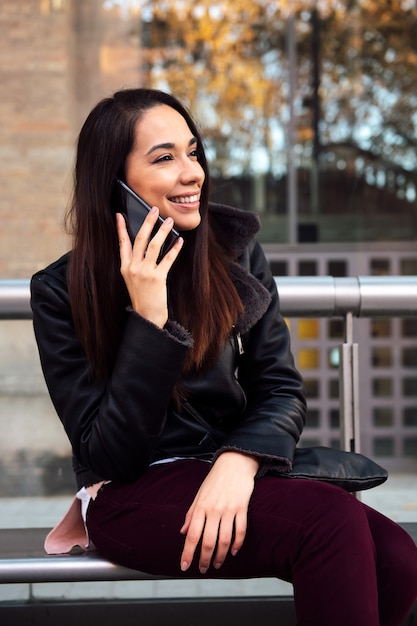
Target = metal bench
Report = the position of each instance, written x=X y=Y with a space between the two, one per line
x=23 y=560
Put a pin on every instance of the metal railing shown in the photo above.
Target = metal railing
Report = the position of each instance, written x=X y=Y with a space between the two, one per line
x=324 y=296
x=301 y=296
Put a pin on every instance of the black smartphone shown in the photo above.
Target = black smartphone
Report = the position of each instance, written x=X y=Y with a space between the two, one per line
x=135 y=209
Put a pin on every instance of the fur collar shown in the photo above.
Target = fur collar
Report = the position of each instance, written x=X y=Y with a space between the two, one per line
x=239 y=229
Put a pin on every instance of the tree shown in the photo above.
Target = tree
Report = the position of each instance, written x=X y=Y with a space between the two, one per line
x=355 y=100
x=369 y=101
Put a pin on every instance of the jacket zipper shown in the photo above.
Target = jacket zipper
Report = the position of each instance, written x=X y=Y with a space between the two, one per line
x=238 y=341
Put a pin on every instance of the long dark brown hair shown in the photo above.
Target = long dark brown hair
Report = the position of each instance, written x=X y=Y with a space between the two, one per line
x=202 y=296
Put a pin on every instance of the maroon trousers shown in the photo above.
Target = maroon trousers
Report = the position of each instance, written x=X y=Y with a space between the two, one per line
x=349 y=564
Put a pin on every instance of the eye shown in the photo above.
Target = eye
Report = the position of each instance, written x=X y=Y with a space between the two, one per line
x=195 y=153
x=165 y=157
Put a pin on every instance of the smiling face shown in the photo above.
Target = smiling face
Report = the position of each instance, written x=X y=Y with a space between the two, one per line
x=163 y=167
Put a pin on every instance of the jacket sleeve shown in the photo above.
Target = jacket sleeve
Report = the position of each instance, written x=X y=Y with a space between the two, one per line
x=276 y=409
x=112 y=425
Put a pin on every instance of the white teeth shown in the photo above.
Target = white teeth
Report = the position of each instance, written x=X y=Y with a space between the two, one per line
x=185 y=199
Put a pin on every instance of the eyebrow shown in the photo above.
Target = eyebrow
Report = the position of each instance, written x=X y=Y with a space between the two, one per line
x=170 y=146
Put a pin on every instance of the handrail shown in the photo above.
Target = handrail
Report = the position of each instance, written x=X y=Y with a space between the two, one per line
x=300 y=296
x=15 y=299
x=362 y=296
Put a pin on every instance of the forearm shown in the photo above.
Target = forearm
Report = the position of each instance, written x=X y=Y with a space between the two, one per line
x=124 y=429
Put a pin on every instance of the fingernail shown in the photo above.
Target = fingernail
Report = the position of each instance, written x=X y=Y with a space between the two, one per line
x=234 y=552
x=184 y=566
x=153 y=210
x=217 y=565
x=203 y=570
x=169 y=221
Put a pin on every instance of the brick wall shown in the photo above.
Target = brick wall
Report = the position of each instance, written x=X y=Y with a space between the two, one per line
x=36 y=135
x=57 y=58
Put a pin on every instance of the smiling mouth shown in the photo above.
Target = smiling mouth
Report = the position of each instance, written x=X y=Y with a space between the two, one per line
x=184 y=199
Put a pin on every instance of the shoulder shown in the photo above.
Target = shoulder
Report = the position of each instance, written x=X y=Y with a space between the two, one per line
x=55 y=272
x=51 y=280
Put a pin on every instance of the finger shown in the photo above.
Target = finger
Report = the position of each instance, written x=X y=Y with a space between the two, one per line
x=224 y=540
x=209 y=542
x=155 y=246
x=145 y=231
x=124 y=241
x=241 y=524
x=121 y=228
x=192 y=538
x=186 y=525
x=170 y=256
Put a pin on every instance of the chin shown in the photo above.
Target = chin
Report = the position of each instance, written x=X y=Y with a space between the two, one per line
x=184 y=225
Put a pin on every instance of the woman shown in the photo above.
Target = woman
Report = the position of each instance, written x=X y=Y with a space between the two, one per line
x=175 y=383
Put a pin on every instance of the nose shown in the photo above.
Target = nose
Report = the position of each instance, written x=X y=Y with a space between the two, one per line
x=192 y=172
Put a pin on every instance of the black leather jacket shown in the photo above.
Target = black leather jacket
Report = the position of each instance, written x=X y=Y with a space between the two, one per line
x=251 y=400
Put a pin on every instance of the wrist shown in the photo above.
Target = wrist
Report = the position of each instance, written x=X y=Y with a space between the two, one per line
x=241 y=459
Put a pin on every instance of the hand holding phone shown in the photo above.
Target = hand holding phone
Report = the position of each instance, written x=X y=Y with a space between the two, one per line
x=135 y=209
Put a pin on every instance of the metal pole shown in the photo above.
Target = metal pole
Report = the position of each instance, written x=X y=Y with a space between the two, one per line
x=315 y=54
x=349 y=390
x=300 y=296
x=292 y=170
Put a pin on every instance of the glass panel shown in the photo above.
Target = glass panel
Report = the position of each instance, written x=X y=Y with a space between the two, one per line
x=380 y=267
x=313 y=418
x=410 y=387
x=307 y=268
x=307 y=233
x=308 y=329
x=279 y=268
x=334 y=418
x=380 y=327
x=408 y=267
x=308 y=358
x=336 y=329
x=409 y=327
x=382 y=387
x=334 y=388
x=381 y=356
x=312 y=387
x=409 y=357
x=410 y=416
x=383 y=446
x=383 y=416
x=410 y=446
x=333 y=357
x=337 y=268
